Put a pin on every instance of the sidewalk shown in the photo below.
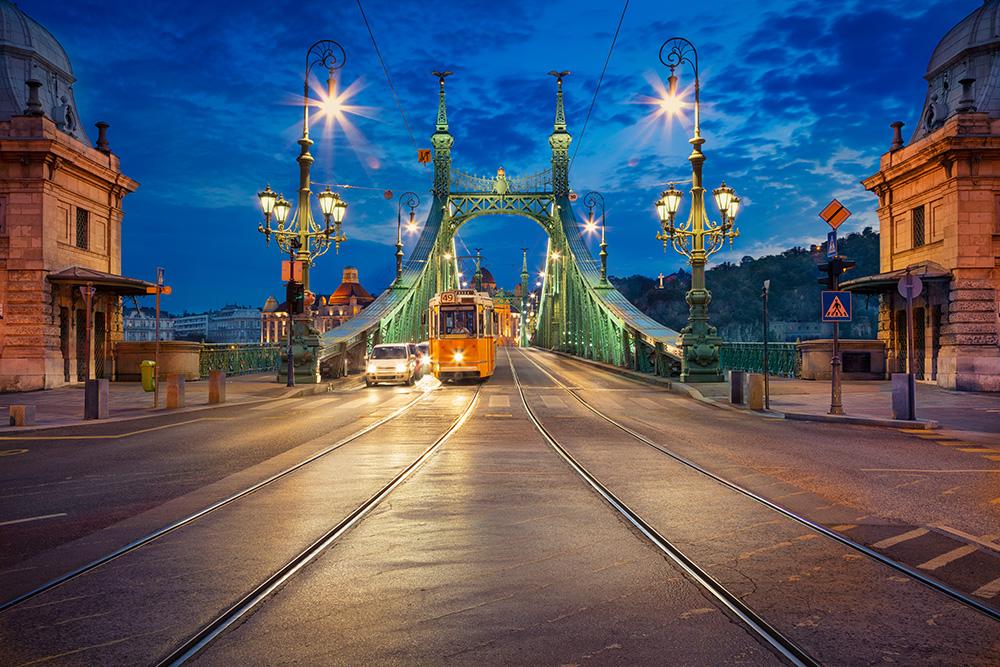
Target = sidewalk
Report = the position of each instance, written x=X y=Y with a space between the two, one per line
x=64 y=406
x=976 y=416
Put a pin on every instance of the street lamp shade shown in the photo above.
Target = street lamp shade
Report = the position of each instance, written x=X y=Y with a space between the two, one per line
x=734 y=207
x=267 y=198
x=339 y=210
x=327 y=199
x=723 y=196
x=669 y=203
x=411 y=226
x=281 y=210
x=672 y=84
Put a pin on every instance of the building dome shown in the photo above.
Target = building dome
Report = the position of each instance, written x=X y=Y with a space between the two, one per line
x=969 y=51
x=29 y=51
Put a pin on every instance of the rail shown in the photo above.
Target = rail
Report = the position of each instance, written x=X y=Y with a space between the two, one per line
x=783 y=359
x=238 y=358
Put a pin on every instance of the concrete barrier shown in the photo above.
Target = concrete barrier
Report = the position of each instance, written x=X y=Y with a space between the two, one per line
x=755 y=391
x=22 y=415
x=96 y=399
x=175 y=390
x=216 y=387
x=736 y=392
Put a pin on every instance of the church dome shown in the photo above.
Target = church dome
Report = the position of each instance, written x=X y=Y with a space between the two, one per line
x=29 y=51
x=969 y=52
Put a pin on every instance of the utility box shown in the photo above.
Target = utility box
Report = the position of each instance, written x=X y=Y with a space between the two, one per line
x=147 y=371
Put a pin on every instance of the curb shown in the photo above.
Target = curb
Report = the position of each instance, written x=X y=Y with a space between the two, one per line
x=693 y=393
x=7 y=431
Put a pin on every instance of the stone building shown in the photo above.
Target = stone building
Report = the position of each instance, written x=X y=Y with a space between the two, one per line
x=349 y=299
x=60 y=220
x=939 y=214
x=140 y=325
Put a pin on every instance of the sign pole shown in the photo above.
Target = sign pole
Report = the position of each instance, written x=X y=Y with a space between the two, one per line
x=156 y=348
x=767 y=373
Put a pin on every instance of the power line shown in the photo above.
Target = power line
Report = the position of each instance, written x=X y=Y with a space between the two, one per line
x=387 y=77
x=599 y=81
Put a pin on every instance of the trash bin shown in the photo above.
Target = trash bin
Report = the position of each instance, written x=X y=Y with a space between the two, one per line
x=148 y=371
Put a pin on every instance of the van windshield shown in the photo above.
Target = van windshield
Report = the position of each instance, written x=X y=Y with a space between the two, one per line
x=395 y=352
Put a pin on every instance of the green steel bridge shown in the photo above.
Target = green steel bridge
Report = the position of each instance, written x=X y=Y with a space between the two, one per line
x=580 y=313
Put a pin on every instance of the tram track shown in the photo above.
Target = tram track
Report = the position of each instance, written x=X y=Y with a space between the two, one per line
x=780 y=643
x=209 y=509
x=869 y=553
x=235 y=613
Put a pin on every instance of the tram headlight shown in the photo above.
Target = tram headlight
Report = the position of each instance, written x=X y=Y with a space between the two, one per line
x=458 y=357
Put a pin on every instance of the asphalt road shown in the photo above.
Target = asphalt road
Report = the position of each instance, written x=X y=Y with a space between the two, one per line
x=494 y=551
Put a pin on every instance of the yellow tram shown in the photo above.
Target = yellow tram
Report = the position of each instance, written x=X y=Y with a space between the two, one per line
x=463 y=331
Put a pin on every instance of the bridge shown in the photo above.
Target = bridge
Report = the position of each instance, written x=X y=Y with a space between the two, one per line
x=580 y=312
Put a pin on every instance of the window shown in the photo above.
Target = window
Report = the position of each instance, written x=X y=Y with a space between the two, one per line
x=918 y=226
x=82 y=228
x=460 y=320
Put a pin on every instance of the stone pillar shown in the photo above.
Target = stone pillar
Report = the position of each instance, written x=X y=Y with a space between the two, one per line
x=755 y=391
x=175 y=390
x=216 y=387
x=969 y=358
x=96 y=399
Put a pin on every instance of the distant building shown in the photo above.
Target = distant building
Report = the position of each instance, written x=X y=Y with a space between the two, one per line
x=349 y=299
x=60 y=220
x=231 y=324
x=939 y=216
x=140 y=325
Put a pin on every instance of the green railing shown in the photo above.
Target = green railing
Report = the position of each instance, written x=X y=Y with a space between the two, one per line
x=240 y=359
x=782 y=358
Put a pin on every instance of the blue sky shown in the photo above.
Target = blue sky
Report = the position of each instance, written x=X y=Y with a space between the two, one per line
x=797 y=98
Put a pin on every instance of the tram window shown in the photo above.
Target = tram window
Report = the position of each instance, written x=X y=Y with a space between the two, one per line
x=458 y=322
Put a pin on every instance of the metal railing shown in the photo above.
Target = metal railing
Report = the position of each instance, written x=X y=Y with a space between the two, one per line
x=538 y=182
x=239 y=359
x=783 y=359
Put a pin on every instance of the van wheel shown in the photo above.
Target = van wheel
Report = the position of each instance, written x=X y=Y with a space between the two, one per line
x=409 y=381
x=368 y=382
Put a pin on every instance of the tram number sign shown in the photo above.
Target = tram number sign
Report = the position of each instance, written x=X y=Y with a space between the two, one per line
x=836 y=306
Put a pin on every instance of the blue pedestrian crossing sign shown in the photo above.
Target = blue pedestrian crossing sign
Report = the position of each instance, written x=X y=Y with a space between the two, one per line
x=836 y=306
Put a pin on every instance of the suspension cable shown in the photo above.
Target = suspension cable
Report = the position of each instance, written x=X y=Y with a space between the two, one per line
x=600 y=80
x=387 y=77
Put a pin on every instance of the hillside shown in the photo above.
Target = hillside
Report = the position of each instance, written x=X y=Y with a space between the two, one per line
x=736 y=293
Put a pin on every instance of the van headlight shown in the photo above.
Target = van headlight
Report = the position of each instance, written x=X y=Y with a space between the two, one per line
x=458 y=356
x=400 y=368
x=371 y=366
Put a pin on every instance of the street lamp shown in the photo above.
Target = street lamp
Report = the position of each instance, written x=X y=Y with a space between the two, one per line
x=698 y=238
x=413 y=201
x=313 y=239
x=592 y=200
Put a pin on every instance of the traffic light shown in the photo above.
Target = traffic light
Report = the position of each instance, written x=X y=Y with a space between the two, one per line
x=295 y=296
x=832 y=269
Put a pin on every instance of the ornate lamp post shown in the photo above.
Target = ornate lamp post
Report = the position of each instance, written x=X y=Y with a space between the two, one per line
x=301 y=236
x=591 y=200
x=313 y=239
x=698 y=238
x=413 y=201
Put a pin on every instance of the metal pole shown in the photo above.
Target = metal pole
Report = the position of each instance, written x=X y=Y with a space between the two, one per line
x=836 y=402
x=910 y=378
x=767 y=387
x=156 y=352
x=88 y=304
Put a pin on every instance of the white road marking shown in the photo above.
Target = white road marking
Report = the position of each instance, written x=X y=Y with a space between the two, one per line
x=499 y=401
x=32 y=518
x=990 y=590
x=271 y=405
x=553 y=402
x=893 y=541
x=945 y=558
x=982 y=540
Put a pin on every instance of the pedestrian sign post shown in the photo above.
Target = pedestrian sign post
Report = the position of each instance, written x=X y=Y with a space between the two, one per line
x=836 y=306
x=831 y=244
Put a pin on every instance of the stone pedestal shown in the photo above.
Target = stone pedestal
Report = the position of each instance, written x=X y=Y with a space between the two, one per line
x=736 y=393
x=96 y=399
x=175 y=390
x=904 y=394
x=755 y=391
x=22 y=415
x=216 y=387
x=175 y=357
x=969 y=358
x=861 y=359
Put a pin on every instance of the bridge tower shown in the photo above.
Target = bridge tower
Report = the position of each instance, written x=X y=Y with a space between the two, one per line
x=524 y=297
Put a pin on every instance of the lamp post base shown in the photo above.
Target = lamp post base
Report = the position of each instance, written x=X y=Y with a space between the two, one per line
x=700 y=358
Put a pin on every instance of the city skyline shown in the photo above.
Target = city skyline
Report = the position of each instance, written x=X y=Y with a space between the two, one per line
x=788 y=125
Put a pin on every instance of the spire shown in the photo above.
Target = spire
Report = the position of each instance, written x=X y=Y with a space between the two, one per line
x=559 y=140
x=442 y=142
x=524 y=263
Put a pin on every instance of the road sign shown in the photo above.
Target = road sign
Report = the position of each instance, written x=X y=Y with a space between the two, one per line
x=836 y=306
x=831 y=244
x=291 y=270
x=162 y=289
x=834 y=214
x=423 y=155
x=915 y=284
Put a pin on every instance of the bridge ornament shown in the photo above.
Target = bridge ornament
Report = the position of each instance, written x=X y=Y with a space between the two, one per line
x=576 y=310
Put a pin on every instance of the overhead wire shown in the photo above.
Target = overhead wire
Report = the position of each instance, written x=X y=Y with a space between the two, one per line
x=600 y=80
x=388 y=78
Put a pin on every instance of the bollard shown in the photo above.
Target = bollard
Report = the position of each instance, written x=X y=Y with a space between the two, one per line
x=216 y=387
x=96 y=399
x=22 y=415
x=755 y=391
x=736 y=394
x=904 y=388
x=175 y=390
